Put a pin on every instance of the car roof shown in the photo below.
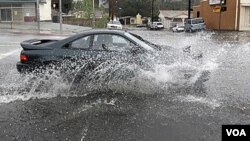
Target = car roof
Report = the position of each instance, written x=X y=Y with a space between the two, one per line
x=93 y=31
x=196 y=19
x=114 y=22
x=101 y=31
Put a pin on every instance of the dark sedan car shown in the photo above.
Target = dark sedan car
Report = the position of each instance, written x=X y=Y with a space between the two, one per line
x=94 y=45
x=91 y=50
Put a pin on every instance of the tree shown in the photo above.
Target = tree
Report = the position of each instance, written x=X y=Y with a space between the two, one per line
x=177 y=5
x=85 y=6
x=133 y=7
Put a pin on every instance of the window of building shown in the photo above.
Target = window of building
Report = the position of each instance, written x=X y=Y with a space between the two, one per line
x=6 y=15
x=249 y=17
x=198 y=14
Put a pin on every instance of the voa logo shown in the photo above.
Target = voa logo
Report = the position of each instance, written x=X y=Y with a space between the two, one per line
x=236 y=132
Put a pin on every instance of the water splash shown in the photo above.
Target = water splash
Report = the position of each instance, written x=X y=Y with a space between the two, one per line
x=169 y=68
x=212 y=103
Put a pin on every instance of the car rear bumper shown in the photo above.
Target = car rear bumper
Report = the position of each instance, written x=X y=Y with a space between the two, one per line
x=22 y=68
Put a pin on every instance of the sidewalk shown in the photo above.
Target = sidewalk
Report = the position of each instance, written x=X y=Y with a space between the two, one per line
x=46 y=28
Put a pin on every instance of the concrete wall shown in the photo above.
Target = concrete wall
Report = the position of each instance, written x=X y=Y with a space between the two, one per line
x=29 y=9
x=244 y=1
x=228 y=18
x=45 y=11
x=244 y=15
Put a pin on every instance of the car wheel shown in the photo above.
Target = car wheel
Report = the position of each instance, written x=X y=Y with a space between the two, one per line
x=81 y=80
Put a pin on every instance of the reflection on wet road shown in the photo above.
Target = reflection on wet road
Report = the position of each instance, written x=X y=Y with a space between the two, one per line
x=162 y=107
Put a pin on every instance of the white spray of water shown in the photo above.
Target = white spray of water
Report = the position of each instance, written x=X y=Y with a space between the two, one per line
x=212 y=103
x=183 y=71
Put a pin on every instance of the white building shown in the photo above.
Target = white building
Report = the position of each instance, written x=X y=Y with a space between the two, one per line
x=170 y=18
x=244 y=15
x=45 y=10
x=24 y=10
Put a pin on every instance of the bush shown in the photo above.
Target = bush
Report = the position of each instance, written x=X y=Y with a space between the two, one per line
x=101 y=23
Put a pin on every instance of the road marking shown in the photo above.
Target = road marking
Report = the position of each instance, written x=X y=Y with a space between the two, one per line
x=2 y=56
x=9 y=46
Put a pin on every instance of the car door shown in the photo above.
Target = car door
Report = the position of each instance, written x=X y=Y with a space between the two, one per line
x=112 y=47
x=78 y=52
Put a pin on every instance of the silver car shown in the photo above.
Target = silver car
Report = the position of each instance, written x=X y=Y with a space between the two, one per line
x=114 y=25
x=195 y=24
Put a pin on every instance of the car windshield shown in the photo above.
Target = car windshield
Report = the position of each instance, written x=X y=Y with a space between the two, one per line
x=114 y=22
x=142 y=42
x=159 y=23
x=197 y=21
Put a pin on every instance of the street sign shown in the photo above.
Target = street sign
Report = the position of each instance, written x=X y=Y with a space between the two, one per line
x=216 y=2
x=216 y=9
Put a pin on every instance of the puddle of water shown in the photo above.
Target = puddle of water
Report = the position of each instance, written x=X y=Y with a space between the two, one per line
x=178 y=96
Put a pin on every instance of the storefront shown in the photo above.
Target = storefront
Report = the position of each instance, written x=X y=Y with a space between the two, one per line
x=235 y=14
x=209 y=10
x=24 y=10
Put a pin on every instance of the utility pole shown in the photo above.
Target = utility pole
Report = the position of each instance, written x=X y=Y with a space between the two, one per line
x=220 y=15
x=152 y=14
x=189 y=9
x=38 y=16
x=111 y=9
x=60 y=15
x=93 y=24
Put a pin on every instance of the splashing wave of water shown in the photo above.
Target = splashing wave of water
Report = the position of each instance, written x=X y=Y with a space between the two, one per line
x=119 y=77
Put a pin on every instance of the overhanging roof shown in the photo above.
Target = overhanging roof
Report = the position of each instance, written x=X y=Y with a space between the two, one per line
x=17 y=1
x=245 y=4
x=174 y=13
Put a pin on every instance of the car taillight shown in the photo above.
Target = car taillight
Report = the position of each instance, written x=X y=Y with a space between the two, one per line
x=23 y=58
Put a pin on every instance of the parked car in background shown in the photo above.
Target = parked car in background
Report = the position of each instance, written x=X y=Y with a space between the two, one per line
x=195 y=24
x=156 y=26
x=178 y=28
x=114 y=25
x=141 y=25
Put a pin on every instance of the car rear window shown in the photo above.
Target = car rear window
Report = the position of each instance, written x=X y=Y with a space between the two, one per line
x=114 y=22
x=197 y=21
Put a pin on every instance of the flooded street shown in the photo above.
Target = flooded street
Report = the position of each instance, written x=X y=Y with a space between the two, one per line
x=160 y=106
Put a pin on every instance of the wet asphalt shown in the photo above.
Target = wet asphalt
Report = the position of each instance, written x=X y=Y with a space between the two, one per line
x=155 y=113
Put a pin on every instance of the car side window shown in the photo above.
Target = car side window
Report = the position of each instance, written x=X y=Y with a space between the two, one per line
x=81 y=43
x=111 y=42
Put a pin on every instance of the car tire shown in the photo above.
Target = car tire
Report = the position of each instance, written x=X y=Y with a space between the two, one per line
x=81 y=79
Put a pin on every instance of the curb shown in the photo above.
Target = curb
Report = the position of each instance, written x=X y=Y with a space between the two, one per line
x=44 y=33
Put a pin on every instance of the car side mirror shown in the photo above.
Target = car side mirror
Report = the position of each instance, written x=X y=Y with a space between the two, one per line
x=136 y=50
x=105 y=47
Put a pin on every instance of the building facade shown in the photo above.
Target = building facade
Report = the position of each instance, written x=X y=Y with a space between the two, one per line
x=24 y=10
x=170 y=18
x=235 y=14
x=104 y=3
x=244 y=16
